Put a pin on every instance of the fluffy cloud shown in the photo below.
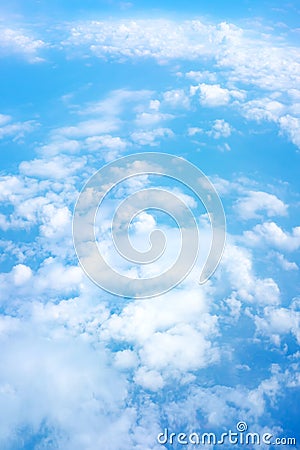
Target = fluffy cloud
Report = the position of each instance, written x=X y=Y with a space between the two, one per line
x=151 y=137
x=237 y=263
x=21 y=274
x=159 y=38
x=291 y=126
x=17 y=41
x=58 y=167
x=58 y=146
x=88 y=128
x=212 y=95
x=268 y=70
x=277 y=322
x=146 y=119
x=269 y=233
x=220 y=129
x=170 y=336
x=254 y=202
x=201 y=76
x=285 y=264
x=263 y=109
x=176 y=98
x=66 y=383
x=234 y=49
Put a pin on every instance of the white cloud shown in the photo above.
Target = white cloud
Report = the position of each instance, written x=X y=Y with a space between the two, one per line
x=115 y=103
x=93 y=127
x=55 y=221
x=182 y=348
x=21 y=274
x=161 y=39
x=220 y=129
x=110 y=147
x=10 y=186
x=252 y=59
x=59 y=167
x=180 y=326
x=146 y=119
x=220 y=405
x=201 y=76
x=260 y=62
x=285 y=264
x=192 y=131
x=126 y=359
x=237 y=263
x=149 y=379
x=4 y=119
x=17 y=41
x=254 y=202
x=224 y=147
x=16 y=130
x=176 y=98
x=269 y=233
x=213 y=95
x=51 y=278
x=277 y=322
x=154 y=105
x=263 y=109
x=67 y=382
x=291 y=126
x=151 y=137
x=59 y=146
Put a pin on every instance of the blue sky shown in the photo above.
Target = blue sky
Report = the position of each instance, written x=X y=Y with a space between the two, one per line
x=217 y=84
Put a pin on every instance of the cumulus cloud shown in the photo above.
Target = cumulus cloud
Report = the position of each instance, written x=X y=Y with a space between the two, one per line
x=237 y=263
x=201 y=76
x=176 y=98
x=159 y=38
x=170 y=335
x=277 y=322
x=263 y=109
x=68 y=384
x=231 y=47
x=21 y=274
x=269 y=233
x=19 y=42
x=213 y=95
x=220 y=129
x=268 y=70
x=110 y=147
x=248 y=207
x=58 y=146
